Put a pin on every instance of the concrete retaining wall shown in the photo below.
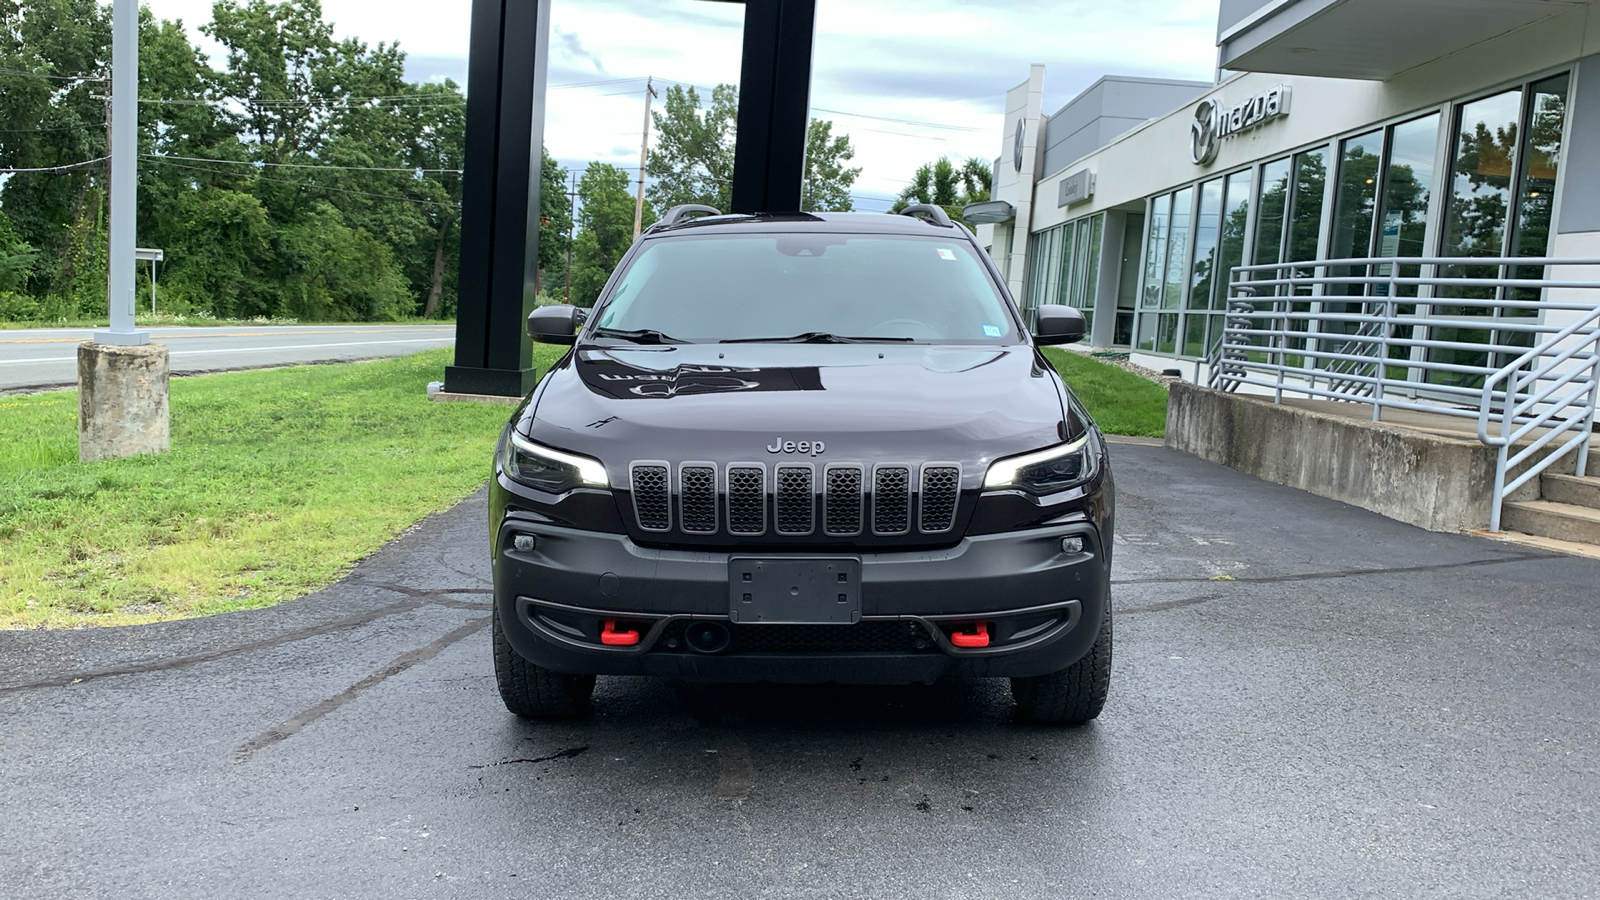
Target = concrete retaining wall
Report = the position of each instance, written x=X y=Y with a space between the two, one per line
x=1432 y=481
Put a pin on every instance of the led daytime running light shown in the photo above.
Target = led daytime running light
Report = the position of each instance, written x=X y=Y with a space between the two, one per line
x=590 y=471
x=1003 y=473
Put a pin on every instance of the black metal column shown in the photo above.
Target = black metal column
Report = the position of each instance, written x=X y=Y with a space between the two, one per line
x=774 y=105
x=500 y=197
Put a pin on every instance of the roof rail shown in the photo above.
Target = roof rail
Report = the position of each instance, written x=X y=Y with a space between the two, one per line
x=680 y=214
x=928 y=212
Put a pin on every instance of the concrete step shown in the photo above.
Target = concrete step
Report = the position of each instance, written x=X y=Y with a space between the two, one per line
x=1561 y=521
x=1568 y=464
x=1571 y=489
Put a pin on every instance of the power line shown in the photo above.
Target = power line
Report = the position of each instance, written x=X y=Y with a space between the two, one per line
x=23 y=73
x=304 y=184
x=253 y=164
x=39 y=130
x=54 y=170
x=913 y=122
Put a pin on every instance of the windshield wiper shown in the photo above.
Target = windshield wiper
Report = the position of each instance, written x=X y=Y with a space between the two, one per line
x=637 y=335
x=814 y=337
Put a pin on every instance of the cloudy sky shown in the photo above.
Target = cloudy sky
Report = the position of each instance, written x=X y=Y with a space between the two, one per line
x=908 y=80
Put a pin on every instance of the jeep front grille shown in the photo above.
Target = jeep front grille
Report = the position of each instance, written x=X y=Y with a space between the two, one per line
x=941 y=486
x=895 y=499
x=891 y=500
x=651 y=497
x=697 y=498
x=794 y=500
x=841 y=501
x=747 y=499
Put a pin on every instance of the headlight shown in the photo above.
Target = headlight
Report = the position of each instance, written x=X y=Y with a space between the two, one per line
x=1046 y=471
x=551 y=470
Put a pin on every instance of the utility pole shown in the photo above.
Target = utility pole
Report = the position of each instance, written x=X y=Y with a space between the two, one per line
x=644 y=157
x=122 y=377
x=124 y=172
x=572 y=230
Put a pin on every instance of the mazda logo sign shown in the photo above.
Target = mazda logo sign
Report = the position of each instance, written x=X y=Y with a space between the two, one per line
x=1204 y=143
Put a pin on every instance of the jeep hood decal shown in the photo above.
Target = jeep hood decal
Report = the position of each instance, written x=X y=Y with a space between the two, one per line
x=860 y=402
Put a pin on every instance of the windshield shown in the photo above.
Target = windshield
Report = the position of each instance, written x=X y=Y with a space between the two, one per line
x=809 y=286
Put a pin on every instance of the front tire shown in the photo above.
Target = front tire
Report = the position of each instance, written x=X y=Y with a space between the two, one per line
x=1074 y=695
x=531 y=691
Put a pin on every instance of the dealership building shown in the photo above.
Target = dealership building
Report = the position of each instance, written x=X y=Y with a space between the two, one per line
x=1336 y=129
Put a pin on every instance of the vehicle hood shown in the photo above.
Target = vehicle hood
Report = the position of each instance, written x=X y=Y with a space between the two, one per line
x=863 y=403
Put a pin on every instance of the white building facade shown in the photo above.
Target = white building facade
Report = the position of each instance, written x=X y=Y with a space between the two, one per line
x=1339 y=129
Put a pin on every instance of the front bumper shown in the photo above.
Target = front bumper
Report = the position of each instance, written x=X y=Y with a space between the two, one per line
x=1043 y=608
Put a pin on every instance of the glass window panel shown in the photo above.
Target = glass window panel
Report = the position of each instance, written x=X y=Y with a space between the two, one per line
x=1050 y=264
x=1194 y=334
x=1207 y=229
x=1058 y=261
x=1035 y=269
x=1072 y=289
x=1235 y=223
x=1155 y=266
x=1178 y=249
x=1481 y=175
x=1310 y=185
x=1269 y=212
x=1069 y=236
x=1147 y=331
x=1478 y=210
x=1091 y=266
x=1166 y=332
x=1541 y=161
x=1407 y=189
x=1355 y=205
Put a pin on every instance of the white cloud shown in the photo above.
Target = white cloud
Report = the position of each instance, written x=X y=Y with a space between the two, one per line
x=936 y=61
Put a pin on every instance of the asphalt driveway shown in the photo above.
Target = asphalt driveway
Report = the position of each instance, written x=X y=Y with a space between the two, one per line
x=1308 y=700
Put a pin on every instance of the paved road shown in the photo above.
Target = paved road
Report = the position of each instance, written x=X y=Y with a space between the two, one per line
x=47 y=357
x=1362 y=710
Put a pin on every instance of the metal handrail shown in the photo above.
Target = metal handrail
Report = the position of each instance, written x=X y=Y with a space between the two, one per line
x=1527 y=375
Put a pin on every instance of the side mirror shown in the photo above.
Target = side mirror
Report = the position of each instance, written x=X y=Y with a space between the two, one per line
x=1053 y=324
x=555 y=324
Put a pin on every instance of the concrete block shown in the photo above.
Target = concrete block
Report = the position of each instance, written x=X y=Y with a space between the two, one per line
x=457 y=397
x=122 y=400
x=1432 y=481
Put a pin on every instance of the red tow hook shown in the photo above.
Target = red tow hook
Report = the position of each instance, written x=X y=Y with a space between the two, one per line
x=611 y=637
x=978 y=638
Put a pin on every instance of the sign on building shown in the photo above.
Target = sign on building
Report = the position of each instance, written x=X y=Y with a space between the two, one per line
x=1076 y=188
x=1215 y=123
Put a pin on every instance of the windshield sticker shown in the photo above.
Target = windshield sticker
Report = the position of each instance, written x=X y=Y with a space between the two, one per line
x=946 y=253
x=991 y=331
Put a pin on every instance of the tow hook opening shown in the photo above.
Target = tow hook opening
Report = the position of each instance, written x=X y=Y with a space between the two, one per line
x=975 y=637
x=612 y=636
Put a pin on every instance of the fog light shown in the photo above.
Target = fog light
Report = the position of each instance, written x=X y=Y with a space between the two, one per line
x=524 y=543
x=1072 y=545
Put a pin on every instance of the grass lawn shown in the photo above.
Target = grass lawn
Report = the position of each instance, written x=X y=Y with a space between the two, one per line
x=277 y=483
x=1120 y=401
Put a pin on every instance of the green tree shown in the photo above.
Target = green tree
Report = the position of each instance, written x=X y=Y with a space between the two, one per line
x=692 y=161
x=555 y=231
x=827 y=181
x=605 y=220
x=17 y=258
x=693 y=158
x=945 y=184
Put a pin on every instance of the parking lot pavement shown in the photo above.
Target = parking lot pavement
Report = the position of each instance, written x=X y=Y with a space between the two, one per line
x=32 y=358
x=1308 y=700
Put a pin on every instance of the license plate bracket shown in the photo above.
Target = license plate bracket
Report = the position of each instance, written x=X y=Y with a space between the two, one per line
x=809 y=591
